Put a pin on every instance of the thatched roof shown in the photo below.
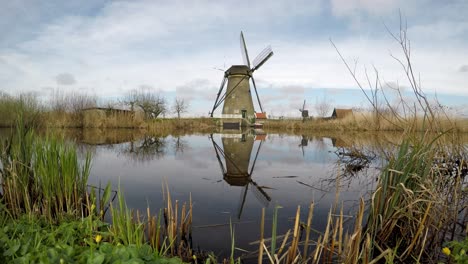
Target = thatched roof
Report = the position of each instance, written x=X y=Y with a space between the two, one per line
x=341 y=113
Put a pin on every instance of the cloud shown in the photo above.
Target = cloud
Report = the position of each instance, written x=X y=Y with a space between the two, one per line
x=65 y=79
x=372 y=7
x=117 y=46
x=463 y=68
x=197 y=89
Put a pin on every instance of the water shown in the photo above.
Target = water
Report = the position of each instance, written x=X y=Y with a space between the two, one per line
x=231 y=176
x=289 y=170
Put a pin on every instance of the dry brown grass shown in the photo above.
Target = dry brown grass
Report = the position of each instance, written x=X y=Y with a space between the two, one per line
x=368 y=122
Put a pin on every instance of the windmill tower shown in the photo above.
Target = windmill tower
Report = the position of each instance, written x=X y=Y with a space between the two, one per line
x=305 y=113
x=236 y=151
x=237 y=98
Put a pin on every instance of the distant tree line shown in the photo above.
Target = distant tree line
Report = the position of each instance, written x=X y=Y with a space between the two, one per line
x=30 y=105
x=153 y=104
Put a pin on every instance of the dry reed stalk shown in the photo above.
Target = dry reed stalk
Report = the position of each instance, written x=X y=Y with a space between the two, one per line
x=353 y=243
x=335 y=231
x=283 y=244
x=260 y=249
x=418 y=233
x=326 y=236
x=182 y=221
x=260 y=259
x=293 y=248
x=190 y=212
x=318 y=250
x=340 y=232
x=309 y=221
x=175 y=223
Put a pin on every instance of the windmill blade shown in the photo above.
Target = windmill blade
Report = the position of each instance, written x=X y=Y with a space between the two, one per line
x=255 y=159
x=216 y=148
x=256 y=93
x=221 y=87
x=245 y=54
x=262 y=58
x=242 y=202
x=261 y=195
x=303 y=106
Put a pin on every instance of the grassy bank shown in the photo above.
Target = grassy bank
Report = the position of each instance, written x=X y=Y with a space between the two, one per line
x=368 y=122
x=36 y=113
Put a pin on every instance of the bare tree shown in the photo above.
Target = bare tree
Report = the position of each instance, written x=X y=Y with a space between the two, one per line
x=71 y=102
x=180 y=106
x=406 y=109
x=152 y=104
x=323 y=106
x=78 y=101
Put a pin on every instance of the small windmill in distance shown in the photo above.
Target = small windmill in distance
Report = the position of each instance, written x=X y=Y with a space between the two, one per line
x=305 y=113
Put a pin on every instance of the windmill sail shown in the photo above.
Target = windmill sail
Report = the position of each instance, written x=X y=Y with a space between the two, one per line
x=245 y=54
x=221 y=87
x=262 y=58
x=256 y=93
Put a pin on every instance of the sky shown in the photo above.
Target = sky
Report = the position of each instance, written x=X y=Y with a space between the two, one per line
x=179 y=48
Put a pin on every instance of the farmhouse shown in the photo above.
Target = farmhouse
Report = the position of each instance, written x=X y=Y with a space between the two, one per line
x=110 y=117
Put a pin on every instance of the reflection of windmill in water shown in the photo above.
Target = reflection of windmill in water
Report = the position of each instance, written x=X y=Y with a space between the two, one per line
x=236 y=151
x=304 y=143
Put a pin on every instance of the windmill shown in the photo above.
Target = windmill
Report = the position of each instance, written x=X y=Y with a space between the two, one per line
x=305 y=113
x=236 y=152
x=237 y=97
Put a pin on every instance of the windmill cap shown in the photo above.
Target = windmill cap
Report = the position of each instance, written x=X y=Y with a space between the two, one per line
x=239 y=69
x=237 y=180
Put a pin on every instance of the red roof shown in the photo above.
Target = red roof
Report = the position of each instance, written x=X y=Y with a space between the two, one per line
x=260 y=137
x=260 y=115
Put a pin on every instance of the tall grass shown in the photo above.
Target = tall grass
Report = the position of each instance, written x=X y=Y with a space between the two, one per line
x=24 y=106
x=42 y=176
x=418 y=205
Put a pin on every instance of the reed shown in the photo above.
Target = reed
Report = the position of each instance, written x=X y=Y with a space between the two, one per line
x=418 y=205
x=415 y=203
x=367 y=121
x=42 y=176
x=24 y=107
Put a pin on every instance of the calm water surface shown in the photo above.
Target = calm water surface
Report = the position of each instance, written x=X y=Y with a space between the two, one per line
x=230 y=176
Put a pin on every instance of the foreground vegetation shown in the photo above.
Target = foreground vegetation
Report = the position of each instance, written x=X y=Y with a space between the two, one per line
x=418 y=212
x=417 y=208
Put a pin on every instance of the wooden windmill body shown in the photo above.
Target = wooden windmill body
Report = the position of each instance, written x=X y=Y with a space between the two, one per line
x=237 y=96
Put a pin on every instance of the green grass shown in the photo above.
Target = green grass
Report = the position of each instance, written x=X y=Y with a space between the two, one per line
x=27 y=240
x=42 y=176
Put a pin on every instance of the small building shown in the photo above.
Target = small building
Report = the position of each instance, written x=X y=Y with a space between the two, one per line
x=111 y=117
x=260 y=116
x=341 y=113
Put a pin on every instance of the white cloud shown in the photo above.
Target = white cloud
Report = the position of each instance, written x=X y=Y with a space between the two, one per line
x=372 y=7
x=65 y=79
x=463 y=68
